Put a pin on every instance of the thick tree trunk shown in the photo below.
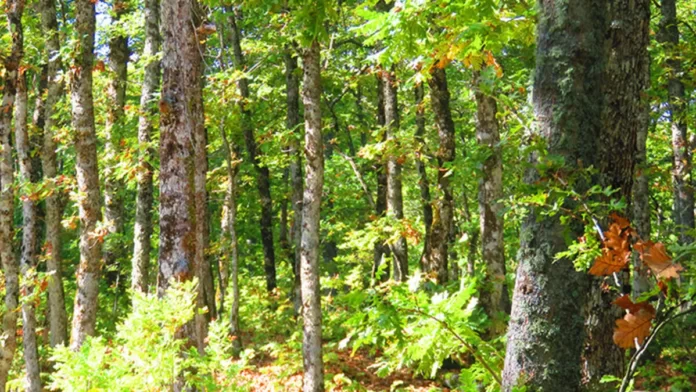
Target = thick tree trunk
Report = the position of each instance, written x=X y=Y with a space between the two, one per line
x=423 y=183
x=89 y=204
x=58 y=329
x=494 y=293
x=626 y=80
x=395 y=201
x=292 y=122
x=144 y=199
x=443 y=206
x=545 y=333
x=263 y=177
x=28 y=258
x=113 y=187
x=668 y=35
x=309 y=258
x=13 y=11
x=178 y=236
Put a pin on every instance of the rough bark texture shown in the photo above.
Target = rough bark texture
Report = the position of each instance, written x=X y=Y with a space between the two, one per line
x=683 y=207
x=640 y=208
x=423 y=183
x=313 y=380
x=28 y=256
x=292 y=122
x=89 y=204
x=380 y=249
x=13 y=12
x=443 y=206
x=494 y=292
x=545 y=333
x=144 y=199
x=263 y=177
x=625 y=114
x=113 y=187
x=58 y=318
x=395 y=200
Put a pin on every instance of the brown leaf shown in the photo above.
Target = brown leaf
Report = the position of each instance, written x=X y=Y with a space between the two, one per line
x=619 y=220
x=609 y=262
x=626 y=303
x=634 y=326
x=656 y=258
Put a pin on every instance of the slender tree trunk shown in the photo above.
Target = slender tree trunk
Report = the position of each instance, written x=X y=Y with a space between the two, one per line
x=668 y=35
x=263 y=177
x=627 y=77
x=13 y=11
x=423 y=182
x=640 y=210
x=309 y=259
x=395 y=201
x=545 y=335
x=494 y=294
x=292 y=122
x=178 y=236
x=89 y=204
x=28 y=257
x=380 y=249
x=58 y=329
x=443 y=206
x=113 y=187
x=146 y=124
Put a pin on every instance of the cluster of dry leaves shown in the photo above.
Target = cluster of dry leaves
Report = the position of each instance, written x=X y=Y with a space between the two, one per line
x=620 y=241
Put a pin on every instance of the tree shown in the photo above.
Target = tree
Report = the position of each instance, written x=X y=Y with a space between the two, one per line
x=545 y=334
x=314 y=184
x=423 y=183
x=89 y=203
x=58 y=329
x=144 y=198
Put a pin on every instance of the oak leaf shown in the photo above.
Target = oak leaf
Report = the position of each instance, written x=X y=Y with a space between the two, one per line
x=609 y=262
x=634 y=327
x=656 y=258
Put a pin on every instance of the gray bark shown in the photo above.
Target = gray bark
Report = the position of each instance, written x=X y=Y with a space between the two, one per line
x=13 y=12
x=683 y=207
x=380 y=249
x=545 y=334
x=423 y=182
x=313 y=380
x=58 y=330
x=89 y=203
x=146 y=126
x=494 y=293
x=395 y=201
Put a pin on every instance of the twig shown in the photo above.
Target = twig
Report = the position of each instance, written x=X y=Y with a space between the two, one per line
x=360 y=178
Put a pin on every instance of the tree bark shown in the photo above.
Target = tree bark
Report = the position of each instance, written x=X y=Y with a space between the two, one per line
x=13 y=11
x=395 y=201
x=89 y=203
x=292 y=123
x=380 y=249
x=263 y=177
x=545 y=334
x=309 y=260
x=668 y=36
x=627 y=77
x=113 y=187
x=146 y=125
x=58 y=330
x=443 y=206
x=423 y=182
x=494 y=293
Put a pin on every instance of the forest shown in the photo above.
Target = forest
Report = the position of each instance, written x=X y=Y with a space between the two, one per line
x=347 y=195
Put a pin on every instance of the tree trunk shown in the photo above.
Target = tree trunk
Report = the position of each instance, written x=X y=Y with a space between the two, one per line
x=668 y=35
x=395 y=201
x=626 y=80
x=144 y=199
x=28 y=256
x=263 y=177
x=113 y=187
x=443 y=207
x=545 y=334
x=494 y=294
x=309 y=259
x=640 y=204
x=423 y=182
x=58 y=329
x=380 y=249
x=89 y=204
x=13 y=11
x=292 y=122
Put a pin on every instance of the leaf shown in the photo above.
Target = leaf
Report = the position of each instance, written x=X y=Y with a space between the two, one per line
x=610 y=262
x=656 y=258
x=634 y=326
x=626 y=303
x=619 y=220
